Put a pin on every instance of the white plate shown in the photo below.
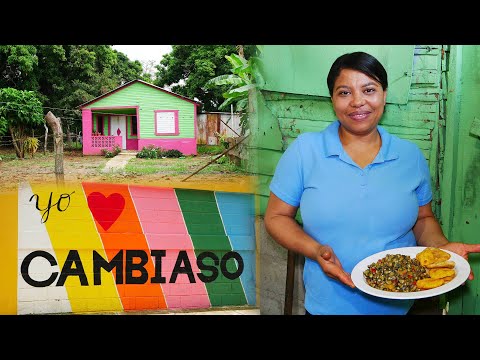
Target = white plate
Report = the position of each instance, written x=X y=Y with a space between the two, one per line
x=462 y=269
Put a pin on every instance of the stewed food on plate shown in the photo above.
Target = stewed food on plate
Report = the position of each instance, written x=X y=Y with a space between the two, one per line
x=429 y=269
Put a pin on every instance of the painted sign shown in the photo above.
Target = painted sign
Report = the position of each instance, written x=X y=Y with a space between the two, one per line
x=96 y=247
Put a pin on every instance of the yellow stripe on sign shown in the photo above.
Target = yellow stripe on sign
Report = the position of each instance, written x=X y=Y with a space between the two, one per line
x=72 y=229
x=243 y=184
x=8 y=265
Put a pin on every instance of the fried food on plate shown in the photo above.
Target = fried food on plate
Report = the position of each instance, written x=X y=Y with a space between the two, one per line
x=442 y=264
x=425 y=258
x=432 y=255
x=439 y=267
x=448 y=278
x=439 y=273
x=429 y=283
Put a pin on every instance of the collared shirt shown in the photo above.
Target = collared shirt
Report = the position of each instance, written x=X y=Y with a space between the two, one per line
x=357 y=211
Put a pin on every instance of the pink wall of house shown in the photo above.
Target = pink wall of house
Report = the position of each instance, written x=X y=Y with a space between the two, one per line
x=89 y=147
x=132 y=144
x=87 y=131
x=185 y=146
x=106 y=144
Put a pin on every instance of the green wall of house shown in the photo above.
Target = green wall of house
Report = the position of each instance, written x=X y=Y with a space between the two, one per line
x=149 y=99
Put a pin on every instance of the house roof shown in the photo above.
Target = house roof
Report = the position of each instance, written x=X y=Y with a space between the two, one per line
x=131 y=83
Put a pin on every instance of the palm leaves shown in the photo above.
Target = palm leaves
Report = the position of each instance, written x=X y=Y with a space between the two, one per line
x=240 y=82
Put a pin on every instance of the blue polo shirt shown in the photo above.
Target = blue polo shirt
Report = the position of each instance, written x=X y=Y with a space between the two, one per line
x=358 y=212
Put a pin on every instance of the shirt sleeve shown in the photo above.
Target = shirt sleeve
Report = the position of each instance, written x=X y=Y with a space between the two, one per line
x=424 y=189
x=287 y=181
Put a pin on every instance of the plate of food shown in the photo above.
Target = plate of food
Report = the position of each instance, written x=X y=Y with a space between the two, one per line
x=410 y=273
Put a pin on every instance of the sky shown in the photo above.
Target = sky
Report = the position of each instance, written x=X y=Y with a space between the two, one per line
x=144 y=52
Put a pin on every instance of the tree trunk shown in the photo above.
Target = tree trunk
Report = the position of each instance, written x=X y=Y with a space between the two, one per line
x=46 y=138
x=56 y=125
x=240 y=51
x=69 y=136
x=17 y=144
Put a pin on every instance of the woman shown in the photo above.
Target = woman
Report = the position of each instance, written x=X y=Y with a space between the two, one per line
x=360 y=191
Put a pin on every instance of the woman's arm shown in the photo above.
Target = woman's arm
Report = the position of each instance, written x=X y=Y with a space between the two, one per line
x=283 y=228
x=427 y=230
x=280 y=223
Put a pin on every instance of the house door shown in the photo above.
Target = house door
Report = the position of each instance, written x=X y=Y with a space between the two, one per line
x=118 y=127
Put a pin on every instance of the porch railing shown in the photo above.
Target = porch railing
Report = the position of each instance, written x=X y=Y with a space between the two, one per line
x=101 y=141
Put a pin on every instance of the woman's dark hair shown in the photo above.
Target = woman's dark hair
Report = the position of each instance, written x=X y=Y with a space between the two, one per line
x=359 y=61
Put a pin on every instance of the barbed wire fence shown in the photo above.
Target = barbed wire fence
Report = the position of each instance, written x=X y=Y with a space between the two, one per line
x=71 y=141
x=71 y=123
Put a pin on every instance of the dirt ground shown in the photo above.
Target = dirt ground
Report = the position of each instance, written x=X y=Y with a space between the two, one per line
x=79 y=168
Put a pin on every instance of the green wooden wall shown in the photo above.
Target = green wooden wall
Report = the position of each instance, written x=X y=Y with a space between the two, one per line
x=461 y=175
x=150 y=99
x=439 y=116
x=311 y=77
x=279 y=117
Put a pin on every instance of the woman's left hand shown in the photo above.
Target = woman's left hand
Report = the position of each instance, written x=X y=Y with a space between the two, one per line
x=463 y=250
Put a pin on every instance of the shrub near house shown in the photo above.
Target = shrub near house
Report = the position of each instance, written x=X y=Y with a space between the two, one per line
x=154 y=152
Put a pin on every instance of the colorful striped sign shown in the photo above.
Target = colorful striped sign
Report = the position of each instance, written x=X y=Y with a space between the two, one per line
x=98 y=247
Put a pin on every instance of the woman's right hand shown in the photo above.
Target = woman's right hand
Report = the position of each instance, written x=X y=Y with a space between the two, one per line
x=332 y=267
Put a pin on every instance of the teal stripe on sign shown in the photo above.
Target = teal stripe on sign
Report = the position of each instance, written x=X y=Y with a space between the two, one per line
x=205 y=226
x=238 y=214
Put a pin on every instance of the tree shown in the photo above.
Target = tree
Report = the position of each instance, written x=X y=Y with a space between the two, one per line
x=17 y=64
x=187 y=68
x=126 y=70
x=20 y=110
x=149 y=70
x=240 y=81
x=65 y=76
x=69 y=75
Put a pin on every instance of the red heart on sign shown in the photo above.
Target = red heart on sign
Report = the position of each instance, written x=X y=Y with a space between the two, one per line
x=106 y=210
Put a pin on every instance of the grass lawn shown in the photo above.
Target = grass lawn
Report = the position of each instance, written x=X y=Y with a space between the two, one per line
x=77 y=167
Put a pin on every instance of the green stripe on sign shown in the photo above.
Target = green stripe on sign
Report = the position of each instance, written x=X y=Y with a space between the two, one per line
x=205 y=226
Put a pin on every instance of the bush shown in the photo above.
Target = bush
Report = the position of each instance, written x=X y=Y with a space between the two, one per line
x=172 y=153
x=222 y=138
x=153 y=152
x=111 y=153
x=30 y=145
x=150 y=152
x=223 y=160
x=210 y=149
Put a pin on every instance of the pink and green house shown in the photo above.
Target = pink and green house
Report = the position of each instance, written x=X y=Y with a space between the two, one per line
x=139 y=114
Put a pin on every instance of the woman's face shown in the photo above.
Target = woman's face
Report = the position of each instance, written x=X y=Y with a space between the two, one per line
x=358 y=101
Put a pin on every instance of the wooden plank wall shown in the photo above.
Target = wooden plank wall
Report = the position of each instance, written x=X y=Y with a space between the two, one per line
x=278 y=118
x=223 y=123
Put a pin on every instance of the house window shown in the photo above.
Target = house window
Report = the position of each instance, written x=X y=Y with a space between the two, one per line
x=100 y=124
x=133 y=125
x=166 y=122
